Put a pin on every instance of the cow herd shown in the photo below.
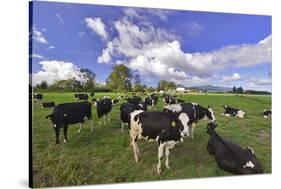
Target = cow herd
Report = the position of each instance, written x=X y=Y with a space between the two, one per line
x=176 y=121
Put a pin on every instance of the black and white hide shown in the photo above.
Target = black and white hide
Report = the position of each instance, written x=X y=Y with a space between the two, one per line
x=194 y=112
x=267 y=113
x=164 y=128
x=104 y=107
x=230 y=111
x=125 y=110
x=70 y=113
x=230 y=156
x=48 y=104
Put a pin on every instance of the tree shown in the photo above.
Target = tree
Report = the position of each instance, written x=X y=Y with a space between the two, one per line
x=67 y=85
x=239 y=90
x=166 y=85
x=43 y=85
x=119 y=79
x=88 y=78
x=234 y=89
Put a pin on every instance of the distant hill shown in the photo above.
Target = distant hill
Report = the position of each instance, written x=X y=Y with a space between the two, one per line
x=211 y=88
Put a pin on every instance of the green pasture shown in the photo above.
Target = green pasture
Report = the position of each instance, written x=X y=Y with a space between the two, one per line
x=104 y=156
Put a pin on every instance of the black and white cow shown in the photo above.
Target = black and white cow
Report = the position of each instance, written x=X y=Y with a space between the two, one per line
x=104 y=107
x=48 y=104
x=125 y=110
x=267 y=113
x=194 y=112
x=231 y=157
x=230 y=111
x=37 y=96
x=164 y=128
x=170 y=100
x=70 y=113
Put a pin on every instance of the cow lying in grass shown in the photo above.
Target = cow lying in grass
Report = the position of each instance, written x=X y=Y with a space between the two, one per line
x=165 y=128
x=231 y=157
x=194 y=112
x=48 y=104
x=229 y=111
x=70 y=113
x=267 y=113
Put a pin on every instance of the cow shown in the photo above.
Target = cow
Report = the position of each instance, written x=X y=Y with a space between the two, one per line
x=125 y=110
x=170 y=100
x=81 y=96
x=194 y=112
x=48 y=104
x=104 y=107
x=164 y=128
x=230 y=156
x=37 y=96
x=267 y=113
x=70 y=113
x=230 y=111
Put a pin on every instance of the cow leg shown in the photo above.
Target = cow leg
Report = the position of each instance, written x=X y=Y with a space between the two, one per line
x=122 y=126
x=91 y=125
x=57 y=130
x=136 y=149
x=81 y=125
x=65 y=133
x=192 y=129
x=167 y=152
x=160 y=155
x=108 y=117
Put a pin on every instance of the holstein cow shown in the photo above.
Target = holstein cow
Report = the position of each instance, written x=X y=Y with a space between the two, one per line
x=229 y=111
x=125 y=110
x=267 y=113
x=134 y=100
x=194 y=112
x=48 y=104
x=70 y=113
x=37 y=96
x=170 y=100
x=104 y=107
x=165 y=128
x=231 y=157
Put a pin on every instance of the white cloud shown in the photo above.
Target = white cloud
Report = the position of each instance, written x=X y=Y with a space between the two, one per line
x=233 y=77
x=38 y=36
x=37 y=56
x=157 y=53
x=61 y=20
x=97 y=26
x=194 y=28
x=51 y=47
x=259 y=82
x=57 y=70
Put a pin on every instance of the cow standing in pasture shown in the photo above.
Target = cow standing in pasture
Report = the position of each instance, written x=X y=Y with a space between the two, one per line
x=125 y=110
x=164 y=128
x=104 y=107
x=81 y=96
x=70 y=113
x=231 y=157
x=230 y=111
x=37 y=96
x=194 y=112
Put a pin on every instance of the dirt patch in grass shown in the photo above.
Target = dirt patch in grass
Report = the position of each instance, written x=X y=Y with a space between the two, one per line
x=262 y=135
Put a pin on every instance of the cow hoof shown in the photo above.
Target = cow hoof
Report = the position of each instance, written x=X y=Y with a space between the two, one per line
x=64 y=141
x=158 y=171
x=168 y=167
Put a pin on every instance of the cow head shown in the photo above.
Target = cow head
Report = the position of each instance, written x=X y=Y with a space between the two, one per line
x=252 y=166
x=211 y=128
x=210 y=114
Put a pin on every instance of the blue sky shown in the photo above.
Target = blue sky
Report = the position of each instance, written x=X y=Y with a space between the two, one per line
x=187 y=47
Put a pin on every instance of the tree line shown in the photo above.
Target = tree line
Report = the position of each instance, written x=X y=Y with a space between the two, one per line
x=121 y=79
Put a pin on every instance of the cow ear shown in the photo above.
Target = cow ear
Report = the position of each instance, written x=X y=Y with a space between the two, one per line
x=251 y=150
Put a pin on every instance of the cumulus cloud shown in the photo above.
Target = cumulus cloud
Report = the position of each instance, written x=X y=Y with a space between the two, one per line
x=38 y=36
x=97 y=26
x=233 y=77
x=157 y=53
x=37 y=56
x=57 y=70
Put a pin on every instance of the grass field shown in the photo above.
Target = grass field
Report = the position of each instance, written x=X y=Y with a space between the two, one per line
x=104 y=156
